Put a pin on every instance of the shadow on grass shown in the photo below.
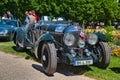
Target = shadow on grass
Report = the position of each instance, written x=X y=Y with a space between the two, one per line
x=14 y=47
x=116 y=69
x=73 y=70
x=4 y=40
x=29 y=54
x=66 y=70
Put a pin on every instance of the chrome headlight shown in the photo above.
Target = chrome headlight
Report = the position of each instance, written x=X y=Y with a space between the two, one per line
x=69 y=39
x=81 y=43
x=92 y=38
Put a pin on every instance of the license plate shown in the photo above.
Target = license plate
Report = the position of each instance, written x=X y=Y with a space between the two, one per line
x=83 y=62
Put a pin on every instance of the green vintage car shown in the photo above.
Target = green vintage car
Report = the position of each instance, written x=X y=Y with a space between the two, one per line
x=61 y=41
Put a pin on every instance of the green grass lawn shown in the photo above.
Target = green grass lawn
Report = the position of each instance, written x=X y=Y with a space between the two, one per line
x=9 y=47
x=111 y=73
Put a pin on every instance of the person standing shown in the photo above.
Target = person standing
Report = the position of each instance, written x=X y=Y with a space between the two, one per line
x=10 y=16
x=5 y=16
x=31 y=17
x=35 y=15
x=30 y=22
x=27 y=17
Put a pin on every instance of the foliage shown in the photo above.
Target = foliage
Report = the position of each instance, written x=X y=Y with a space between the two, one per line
x=109 y=28
x=77 y=10
x=109 y=36
x=118 y=43
x=115 y=49
x=116 y=52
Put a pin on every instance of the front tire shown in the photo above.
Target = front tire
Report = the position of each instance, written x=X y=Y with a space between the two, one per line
x=103 y=54
x=49 y=58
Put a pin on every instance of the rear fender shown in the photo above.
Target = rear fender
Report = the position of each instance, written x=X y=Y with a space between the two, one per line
x=20 y=33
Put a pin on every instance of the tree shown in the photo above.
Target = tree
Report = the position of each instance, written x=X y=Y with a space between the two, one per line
x=75 y=10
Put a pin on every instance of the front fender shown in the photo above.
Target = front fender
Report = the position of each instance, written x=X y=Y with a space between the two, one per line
x=101 y=36
x=45 y=37
x=40 y=41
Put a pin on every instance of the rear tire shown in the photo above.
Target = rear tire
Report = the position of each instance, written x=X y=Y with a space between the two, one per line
x=49 y=58
x=18 y=48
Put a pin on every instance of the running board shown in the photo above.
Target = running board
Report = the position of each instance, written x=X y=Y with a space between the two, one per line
x=21 y=45
x=28 y=47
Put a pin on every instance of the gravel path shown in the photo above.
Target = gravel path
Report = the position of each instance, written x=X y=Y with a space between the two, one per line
x=17 y=68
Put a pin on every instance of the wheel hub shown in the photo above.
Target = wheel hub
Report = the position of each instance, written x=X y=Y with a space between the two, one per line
x=44 y=58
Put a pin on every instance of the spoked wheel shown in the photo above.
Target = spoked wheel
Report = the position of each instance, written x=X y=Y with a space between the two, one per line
x=102 y=52
x=18 y=47
x=49 y=58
